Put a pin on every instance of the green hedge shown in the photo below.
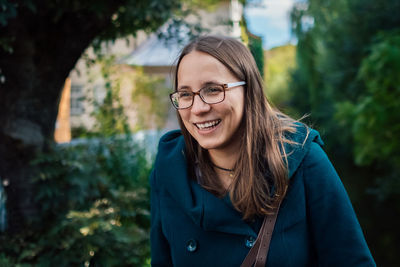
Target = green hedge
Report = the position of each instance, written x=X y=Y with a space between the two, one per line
x=94 y=208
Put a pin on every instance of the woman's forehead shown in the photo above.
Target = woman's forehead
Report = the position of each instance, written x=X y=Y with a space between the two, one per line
x=199 y=68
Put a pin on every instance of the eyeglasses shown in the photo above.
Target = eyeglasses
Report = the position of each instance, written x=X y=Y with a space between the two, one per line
x=210 y=94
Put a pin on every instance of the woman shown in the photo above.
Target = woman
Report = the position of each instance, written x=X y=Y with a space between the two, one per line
x=234 y=161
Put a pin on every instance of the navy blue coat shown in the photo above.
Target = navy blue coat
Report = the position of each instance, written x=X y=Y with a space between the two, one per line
x=316 y=225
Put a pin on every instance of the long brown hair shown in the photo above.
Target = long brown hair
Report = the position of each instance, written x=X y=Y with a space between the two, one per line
x=261 y=171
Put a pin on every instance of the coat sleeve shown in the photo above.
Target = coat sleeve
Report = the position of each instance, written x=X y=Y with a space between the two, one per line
x=336 y=233
x=160 y=250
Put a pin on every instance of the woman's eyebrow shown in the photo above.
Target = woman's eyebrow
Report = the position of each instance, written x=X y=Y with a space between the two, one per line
x=204 y=84
x=183 y=87
x=209 y=83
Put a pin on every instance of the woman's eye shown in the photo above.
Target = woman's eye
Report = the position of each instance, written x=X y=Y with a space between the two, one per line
x=213 y=90
x=185 y=94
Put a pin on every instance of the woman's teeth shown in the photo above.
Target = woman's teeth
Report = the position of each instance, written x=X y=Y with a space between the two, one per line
x=208 y=124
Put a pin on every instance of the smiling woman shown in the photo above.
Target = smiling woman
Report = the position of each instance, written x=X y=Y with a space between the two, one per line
x=218 y=184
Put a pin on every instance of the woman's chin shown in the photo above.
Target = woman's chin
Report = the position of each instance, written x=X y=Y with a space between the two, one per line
x=208 y=145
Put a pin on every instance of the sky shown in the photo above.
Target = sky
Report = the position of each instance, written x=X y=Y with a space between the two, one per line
x=271 y=21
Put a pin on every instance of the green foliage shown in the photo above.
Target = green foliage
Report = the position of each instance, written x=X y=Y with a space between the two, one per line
x=109 y=112
x=256 y=49
x=152 y=13
x=116 y=19
x=375 y=119
x=280 y=61
x=377 y=115
x=150 y=95
x=334 y=39
x=204 y=4
x=347 y=78
x=94 y=207
x=146 y=15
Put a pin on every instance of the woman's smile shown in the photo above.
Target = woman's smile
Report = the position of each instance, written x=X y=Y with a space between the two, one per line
x=207 y=125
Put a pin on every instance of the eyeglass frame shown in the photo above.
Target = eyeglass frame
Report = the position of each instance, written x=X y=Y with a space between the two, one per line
x=225 y=87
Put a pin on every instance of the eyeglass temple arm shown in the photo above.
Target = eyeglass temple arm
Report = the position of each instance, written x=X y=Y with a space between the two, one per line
x=229 y=85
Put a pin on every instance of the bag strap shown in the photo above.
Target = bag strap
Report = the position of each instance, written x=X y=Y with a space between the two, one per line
x=259 y=252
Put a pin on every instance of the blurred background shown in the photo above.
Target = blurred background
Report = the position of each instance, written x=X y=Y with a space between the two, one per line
x=84 y=99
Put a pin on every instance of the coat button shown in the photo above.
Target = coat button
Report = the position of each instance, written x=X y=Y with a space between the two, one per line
x=250 y=240
x=191 y=245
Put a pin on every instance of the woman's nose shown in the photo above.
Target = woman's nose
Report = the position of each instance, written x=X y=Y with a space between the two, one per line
x=199 y=106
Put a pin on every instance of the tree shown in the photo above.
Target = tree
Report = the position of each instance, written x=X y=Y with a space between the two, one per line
x=281 y=62
x=40 y=42
x=347 y=78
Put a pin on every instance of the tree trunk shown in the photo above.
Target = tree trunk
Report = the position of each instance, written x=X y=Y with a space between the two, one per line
x=45 y=49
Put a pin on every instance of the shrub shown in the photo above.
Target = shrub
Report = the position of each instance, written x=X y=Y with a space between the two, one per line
x=94 y=207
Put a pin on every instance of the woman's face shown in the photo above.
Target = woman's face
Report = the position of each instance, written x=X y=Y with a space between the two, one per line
x=214 y=126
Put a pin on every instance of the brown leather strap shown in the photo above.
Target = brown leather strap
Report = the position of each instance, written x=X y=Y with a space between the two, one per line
x=266 y=240
x=259 y=252
x=252 y=255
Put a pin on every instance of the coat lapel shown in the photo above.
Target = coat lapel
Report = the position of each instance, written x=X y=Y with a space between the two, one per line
x=219 y=215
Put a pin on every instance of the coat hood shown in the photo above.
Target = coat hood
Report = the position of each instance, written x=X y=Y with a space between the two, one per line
x=206 y=210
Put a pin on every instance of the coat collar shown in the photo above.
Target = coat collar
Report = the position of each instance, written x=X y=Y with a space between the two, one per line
x=206 y=210
x=302 y=138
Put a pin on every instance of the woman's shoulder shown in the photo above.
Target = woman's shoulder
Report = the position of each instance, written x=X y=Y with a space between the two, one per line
x=302 y=135
x=170 y=136
x=302 y=141
x=171 y=147
x=170 y=140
